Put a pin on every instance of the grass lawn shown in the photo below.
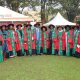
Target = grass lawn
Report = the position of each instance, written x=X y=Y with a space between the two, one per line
x=40 y=68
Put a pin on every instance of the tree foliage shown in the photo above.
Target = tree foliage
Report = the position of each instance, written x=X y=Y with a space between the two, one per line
x=68 y=7
x=71 y=7
x=1 y=2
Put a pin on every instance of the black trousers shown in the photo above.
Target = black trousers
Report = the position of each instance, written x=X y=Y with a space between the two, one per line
x=77 y=54
x=71 y=51
x=26 y=51
x=11 y=53
x=50 y=49
x=19 y=53
x=56 y=52
x=7 y=55
x=41 y=50
x=64 y=52
x=34 y=52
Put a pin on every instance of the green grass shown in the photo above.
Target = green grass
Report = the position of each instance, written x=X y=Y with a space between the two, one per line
x=40 y=68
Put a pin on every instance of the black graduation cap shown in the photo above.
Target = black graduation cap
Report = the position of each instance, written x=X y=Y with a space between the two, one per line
x=51 y=26
x=18 y=25
x=44 y=27
x=10 y=25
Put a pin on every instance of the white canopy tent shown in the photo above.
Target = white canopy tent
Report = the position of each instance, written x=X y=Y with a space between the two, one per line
x=59 y=20
x=9 y=15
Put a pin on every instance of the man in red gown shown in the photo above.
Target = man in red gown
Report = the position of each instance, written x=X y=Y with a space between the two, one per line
x=25 y=38
x=33 y=38
x=77 y=37
x=18 y=40
x=51 y=29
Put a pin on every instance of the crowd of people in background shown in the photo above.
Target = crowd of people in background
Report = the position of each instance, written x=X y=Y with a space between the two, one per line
x=37 y=40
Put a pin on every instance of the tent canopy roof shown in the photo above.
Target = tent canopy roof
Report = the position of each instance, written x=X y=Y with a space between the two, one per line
x=9 y=15
x=59 y=20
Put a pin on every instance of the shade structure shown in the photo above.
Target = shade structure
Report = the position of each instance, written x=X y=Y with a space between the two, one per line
x=59 y=20
x=9 y=15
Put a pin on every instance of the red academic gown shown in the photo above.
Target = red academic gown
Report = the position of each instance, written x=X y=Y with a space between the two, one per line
x=64 y=41
x=71 y=40
x=33 y=43
x=9 y=43
x=78 y=42
x=42 y=40
x=17 y=41
x=25 y=44
x=47 y=40
x=56 y=41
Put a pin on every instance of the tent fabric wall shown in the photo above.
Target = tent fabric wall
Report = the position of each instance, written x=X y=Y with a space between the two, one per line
x=59 y=20
x=9 y=15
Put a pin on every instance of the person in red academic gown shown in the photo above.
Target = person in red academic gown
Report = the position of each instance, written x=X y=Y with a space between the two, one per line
x=48 y=42
x=77 y=53
x=9 y=39
x=51 y=28
x=25 y=38
x=64 y=43
x=42 y=43
x=56 y=42
x=44 y=40
x=33 y=38
x=71 y=40
x=17 y=36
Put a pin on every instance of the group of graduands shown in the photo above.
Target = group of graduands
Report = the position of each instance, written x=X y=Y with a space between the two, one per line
x=36 y=40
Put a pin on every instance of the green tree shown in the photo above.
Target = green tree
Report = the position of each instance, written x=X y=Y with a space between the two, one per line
x=43 y=18
x=13 y=4
x=71 y=7
x=1 y=3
